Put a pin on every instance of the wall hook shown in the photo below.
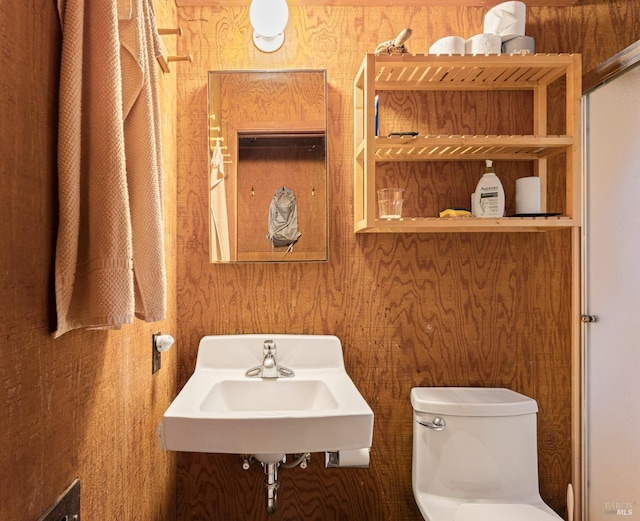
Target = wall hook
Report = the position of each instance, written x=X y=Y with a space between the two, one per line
x=165 y=60
x=174 y=30
x=182 y=58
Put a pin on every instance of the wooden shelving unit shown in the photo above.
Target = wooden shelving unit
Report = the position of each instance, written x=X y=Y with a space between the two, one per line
x=467 y=73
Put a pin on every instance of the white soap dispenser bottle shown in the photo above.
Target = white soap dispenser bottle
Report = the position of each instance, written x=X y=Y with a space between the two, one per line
x=489 y=194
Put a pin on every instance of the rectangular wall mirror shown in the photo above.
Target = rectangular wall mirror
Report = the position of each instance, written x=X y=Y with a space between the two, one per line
x=268 y=166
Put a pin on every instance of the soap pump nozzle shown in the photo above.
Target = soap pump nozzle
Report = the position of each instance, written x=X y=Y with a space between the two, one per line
x=489 y=167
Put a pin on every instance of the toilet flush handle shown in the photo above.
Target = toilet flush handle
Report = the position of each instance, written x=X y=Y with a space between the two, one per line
x=438 y=424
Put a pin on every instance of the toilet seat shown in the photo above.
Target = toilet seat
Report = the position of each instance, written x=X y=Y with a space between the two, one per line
x=502 y=512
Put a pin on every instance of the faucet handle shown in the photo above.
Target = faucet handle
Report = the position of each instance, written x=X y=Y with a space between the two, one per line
x=269 y=347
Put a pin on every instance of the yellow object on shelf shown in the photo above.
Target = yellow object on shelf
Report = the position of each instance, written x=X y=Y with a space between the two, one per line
x=455 y=212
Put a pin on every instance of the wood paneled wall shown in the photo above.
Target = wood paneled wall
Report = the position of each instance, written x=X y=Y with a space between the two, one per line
x=411 y=310
x=85 y=405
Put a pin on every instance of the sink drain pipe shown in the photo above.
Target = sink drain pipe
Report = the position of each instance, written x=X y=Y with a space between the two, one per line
x=358 y=458
x=270 y=464
x=271 y=485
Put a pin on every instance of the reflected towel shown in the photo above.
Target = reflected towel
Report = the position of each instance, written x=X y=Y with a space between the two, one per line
x=219 y=224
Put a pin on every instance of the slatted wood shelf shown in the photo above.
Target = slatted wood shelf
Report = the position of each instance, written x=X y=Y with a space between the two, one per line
x=467 y=148
x=467 y=73
x=503 y=72
x=466 y=224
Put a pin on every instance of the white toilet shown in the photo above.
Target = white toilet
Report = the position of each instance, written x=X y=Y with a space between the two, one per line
x=475 y=455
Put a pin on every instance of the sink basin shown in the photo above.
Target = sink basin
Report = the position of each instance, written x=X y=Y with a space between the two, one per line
x=222 y=410
x=277 y=396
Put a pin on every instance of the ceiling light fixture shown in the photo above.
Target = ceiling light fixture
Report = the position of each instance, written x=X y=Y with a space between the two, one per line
x=268 y=19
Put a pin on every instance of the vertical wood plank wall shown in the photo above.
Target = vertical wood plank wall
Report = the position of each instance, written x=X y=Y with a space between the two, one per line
x=85 y=405
x=466 y=309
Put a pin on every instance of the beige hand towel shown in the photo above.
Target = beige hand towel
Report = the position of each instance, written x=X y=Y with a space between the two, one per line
x=94 y=287
x=101 y=200
x=140 y=46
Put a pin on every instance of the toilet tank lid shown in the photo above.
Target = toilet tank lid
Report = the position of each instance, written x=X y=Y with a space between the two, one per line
x=471 y=401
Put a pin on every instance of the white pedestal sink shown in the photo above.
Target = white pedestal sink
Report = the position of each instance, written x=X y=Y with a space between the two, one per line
x=220 y=409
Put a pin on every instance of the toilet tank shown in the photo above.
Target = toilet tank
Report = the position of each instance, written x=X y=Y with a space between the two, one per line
x=487 y=449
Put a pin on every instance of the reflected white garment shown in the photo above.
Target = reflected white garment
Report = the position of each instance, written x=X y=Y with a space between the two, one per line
x=219 y=224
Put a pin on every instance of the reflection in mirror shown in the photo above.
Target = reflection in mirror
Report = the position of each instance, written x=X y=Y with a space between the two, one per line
x=268 y=175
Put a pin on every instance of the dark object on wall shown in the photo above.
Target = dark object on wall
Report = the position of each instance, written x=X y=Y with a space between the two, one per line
x=67 y=506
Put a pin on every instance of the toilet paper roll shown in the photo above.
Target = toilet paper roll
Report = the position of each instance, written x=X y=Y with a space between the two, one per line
x=483 y=44
x=528 y=195
x=348 y=458
x=506 y=20
x=354 y=458
x=519 y=45
x=448 y=45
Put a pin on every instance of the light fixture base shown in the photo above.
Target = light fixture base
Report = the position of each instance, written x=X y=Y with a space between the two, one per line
x=268 y=43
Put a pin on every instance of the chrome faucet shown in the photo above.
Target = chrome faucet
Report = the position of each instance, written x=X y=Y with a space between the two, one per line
x=269 y=367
